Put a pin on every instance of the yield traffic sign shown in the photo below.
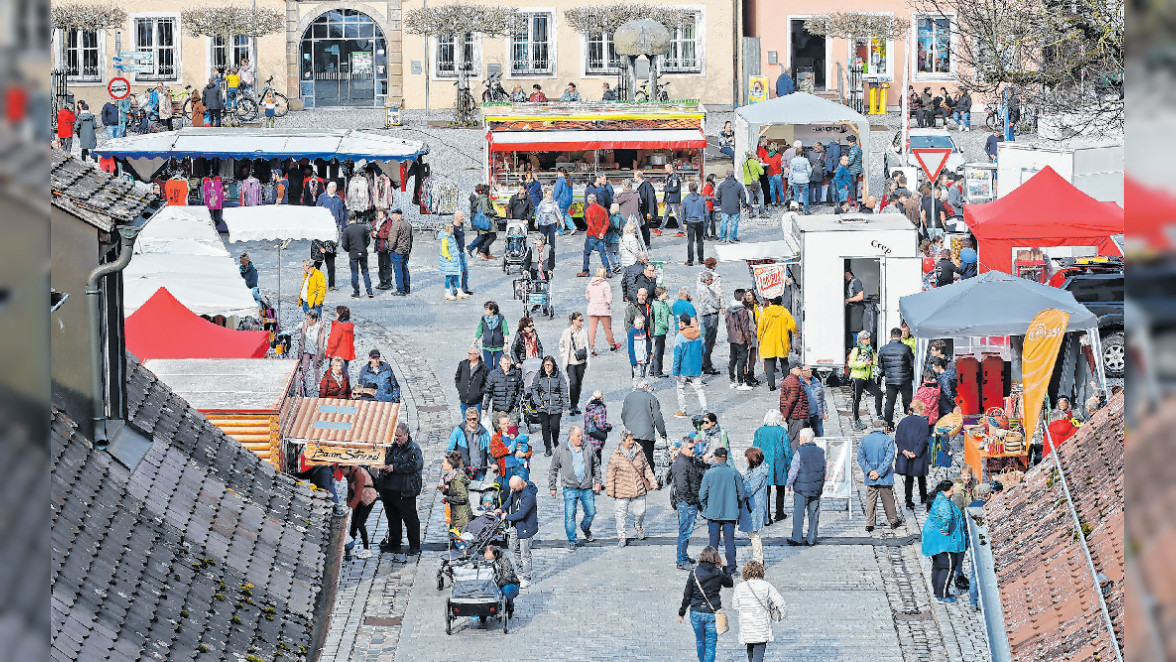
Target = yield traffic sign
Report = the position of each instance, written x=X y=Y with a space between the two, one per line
x=932 y=156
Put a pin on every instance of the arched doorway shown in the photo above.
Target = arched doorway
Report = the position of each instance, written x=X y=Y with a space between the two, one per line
x=343 y=60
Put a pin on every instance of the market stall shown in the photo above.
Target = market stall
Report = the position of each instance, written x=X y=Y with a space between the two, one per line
x=326 y=431
x=270 y=223
x=985 y=320
x=804 y=117
x=163 y=328
x=1044 y=212
x=590 y=139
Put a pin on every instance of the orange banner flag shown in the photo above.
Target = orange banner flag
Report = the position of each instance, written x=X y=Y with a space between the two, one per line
x=1042 y=342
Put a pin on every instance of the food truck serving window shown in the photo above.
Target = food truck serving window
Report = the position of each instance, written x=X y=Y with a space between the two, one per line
x=510 y=141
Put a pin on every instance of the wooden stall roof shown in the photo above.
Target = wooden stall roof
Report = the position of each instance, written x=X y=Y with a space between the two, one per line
x=341 y=421
x=227 y=384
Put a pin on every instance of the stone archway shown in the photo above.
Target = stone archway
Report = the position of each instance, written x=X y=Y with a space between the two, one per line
x=345 y=54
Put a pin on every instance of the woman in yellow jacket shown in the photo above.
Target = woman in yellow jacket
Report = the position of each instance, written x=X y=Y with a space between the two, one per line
x=314 y=288
x=774 y=332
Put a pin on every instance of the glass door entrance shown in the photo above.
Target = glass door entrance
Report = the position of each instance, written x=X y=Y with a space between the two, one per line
x=343 y=61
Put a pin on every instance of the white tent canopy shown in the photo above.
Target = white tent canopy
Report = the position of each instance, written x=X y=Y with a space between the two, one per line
x=180 y=249
x=796 y=109
x=277 y=222
x=214 y=142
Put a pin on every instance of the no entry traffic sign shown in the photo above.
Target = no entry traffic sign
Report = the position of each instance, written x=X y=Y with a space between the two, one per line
x=119 y=88
x=936 y=157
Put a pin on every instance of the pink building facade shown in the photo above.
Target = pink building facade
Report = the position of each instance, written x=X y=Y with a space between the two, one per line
x=784 y=42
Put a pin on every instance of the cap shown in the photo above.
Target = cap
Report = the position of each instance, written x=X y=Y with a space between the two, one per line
x=397 y=211
x=245 y=256
x=710 y=262
x=720 y=452
x=374 y=354
x=513 y=430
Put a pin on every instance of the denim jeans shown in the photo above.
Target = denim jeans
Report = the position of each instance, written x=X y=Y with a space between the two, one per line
x=451 y=284
x=706 y=638
x=112 y=131
x=465 y=273
x=491 y=356
x=801 y=505
x=755 y=197
x=568 y=223
x=674 y=208
x=733 y=220
x=359 y=266
x=594 y=244
x=614 y=256
x=548 y=233
x=727 y=529
x=776 y=186
x=585 y=497
x=231 y=97
x=963 y=117
x=400 y=271
x=973 y=586
x=687 y=513
x=318 y=309
x=817 y=424
x=801 y=192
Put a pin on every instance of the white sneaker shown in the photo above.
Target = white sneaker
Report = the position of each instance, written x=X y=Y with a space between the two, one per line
x=743 y=387
x=450 y=297
x=363 y=553
x=680 y=414
x=462 y=295
x=732 y=385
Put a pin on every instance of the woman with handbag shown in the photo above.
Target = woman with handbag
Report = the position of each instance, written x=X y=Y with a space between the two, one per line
x=754 y=513
x=573 y=349
x=758 y=603
x=703 y=598
x=944 y=540
x=627 y=480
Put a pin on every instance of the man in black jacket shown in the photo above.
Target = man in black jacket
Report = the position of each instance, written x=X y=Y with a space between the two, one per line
x=504 y=388
x=399 y=483
x=519 y=206
x=685 y=477
x=896 y=362
x=470 y=381
x=355 y=241
x=646 y=204
x=641 y=275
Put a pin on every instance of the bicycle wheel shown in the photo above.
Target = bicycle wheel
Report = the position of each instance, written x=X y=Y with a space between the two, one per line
x=992 y=122
x=187 y=109
x=246 y=109
x=640 y=96
x=282 y=104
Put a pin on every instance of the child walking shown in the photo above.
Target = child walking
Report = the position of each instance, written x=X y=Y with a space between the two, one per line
x=639 y=349
x=232 y=82
x=660 y=326
x=596 y=425
x=271 y=110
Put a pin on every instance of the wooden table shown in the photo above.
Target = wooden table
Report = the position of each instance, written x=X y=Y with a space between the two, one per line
x=976 y=457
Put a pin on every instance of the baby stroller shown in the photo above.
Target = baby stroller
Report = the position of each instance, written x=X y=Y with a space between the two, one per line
x=531 y=368
x=516 y=246
x=467 y=547
x=475 y=593
x=535 y=295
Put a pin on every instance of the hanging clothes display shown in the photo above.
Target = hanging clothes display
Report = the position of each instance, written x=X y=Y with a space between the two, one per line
x=214 y=198
x=176 y=192
x=251 y=192
x=312 y=188
x=383 y=192
x=359 y=198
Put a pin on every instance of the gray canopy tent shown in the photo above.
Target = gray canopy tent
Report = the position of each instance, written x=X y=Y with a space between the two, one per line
x=998 y=304
x=798 y=109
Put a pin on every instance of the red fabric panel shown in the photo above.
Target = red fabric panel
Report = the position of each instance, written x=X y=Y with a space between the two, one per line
x=162 y=328
x=540 y=146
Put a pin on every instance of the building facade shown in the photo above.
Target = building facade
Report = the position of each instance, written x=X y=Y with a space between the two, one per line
x=355 y=53
x=783 y=41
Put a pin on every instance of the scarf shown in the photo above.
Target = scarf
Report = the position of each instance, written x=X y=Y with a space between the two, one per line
x=531 y=340
x=772 y=152
x=631 y=453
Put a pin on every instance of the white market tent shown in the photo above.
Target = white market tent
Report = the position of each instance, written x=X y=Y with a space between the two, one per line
x=179 y=249
x=798 y=108
x=278 y=222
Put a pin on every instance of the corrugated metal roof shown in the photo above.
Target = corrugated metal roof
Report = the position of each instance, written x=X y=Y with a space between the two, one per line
x=1047 y=593
x=346 y=421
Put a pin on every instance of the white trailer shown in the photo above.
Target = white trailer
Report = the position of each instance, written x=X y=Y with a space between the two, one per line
x=1096 y=170
x=880 y=249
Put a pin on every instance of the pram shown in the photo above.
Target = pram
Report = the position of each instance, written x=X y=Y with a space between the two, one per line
x=531 y=368
x=535 y=295
x=467 y=547
x=475 y=593
x=516 y=246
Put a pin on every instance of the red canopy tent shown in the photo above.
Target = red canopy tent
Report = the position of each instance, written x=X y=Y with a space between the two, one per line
x=162 y=328
x=1151 y=218
x=1044 y=211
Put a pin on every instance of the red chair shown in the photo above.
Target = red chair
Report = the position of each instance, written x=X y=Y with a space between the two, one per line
x=968 y=386
x=992 y=368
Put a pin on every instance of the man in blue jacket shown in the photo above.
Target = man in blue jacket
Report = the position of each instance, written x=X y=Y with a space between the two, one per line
x=784 y=84
x=521 y=511
x=376 y=381
x=720 y=494
x=334 y=204
x=876 y=454
x=687 y=368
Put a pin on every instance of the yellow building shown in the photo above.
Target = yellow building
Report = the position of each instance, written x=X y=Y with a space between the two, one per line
x=351 y=53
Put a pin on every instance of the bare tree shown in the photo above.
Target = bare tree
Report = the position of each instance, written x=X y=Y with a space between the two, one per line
x=458 y=21
x=229 y=22
x=1063 y=58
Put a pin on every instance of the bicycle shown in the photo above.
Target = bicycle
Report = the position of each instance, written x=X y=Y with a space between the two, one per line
x=281 y=103
x=642 y=94
x=184 y=98
x=494 y=90
x=466 y=106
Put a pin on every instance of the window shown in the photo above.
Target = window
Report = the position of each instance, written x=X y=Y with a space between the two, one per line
x=602 y=56
x=222 y=55
x=934 y=45
x=81 y=56
x=685 y=50
x=158 y=36
x=530 y=46
x=874 y=55
x=446 y=56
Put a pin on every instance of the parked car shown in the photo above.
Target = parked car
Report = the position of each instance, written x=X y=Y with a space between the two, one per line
x=1100 y=289
x=923 y=138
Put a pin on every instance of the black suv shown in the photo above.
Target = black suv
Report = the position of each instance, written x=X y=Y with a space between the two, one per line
x=1102 y=292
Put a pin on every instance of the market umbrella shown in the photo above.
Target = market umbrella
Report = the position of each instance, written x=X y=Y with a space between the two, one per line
x=991 y=304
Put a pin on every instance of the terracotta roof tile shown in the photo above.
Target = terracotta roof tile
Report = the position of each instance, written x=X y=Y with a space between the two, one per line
x=1048 y=596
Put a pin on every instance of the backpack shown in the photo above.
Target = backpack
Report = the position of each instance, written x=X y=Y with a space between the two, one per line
x=929 y=396
x=481 y=221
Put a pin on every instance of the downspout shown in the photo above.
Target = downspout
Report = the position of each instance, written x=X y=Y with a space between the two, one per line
x=93 y=291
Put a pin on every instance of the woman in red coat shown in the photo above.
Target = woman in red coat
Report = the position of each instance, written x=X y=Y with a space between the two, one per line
x=336 y=383
x=341 y=343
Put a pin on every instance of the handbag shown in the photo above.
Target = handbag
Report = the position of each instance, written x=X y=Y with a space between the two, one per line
x=942 y=453
x=579 y=354
x=776 y=612
x=721 y=624
x=481 y=221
